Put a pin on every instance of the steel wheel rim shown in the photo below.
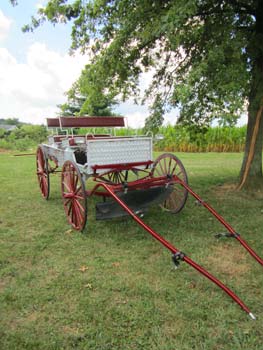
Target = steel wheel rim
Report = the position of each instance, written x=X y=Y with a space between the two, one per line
x=74 y=196
x=42 y=173
x=169 y=165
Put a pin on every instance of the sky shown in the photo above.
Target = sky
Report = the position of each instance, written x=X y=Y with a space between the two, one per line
x=36 y=69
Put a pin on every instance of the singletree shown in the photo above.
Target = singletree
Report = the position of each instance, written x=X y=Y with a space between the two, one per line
x=206 y=55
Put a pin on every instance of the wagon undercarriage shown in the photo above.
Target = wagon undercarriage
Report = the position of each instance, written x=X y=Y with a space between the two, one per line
x=127 y=180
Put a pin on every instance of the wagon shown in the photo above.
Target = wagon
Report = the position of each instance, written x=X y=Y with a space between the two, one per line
x=122 y=172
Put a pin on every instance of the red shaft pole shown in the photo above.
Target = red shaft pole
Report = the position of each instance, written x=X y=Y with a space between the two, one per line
x=174 y=250
x=218 y=283
x=222 y=221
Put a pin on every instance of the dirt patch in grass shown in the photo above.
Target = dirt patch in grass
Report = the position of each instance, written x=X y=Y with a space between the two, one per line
x=2 y=150
x=230 y=261
x=224 y=189
x=70 y=330
x=3 y=284
x=228 y=189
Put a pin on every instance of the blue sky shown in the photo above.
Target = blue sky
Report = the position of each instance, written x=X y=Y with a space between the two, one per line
x=56 y=38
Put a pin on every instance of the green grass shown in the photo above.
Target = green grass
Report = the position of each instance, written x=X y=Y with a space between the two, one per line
x=114 y=287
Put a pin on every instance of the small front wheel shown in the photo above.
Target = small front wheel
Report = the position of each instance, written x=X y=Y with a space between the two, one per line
x=74 y=195
x=169 y=165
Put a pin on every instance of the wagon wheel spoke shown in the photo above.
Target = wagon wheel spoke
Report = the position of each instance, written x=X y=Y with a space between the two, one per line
x=79 y=216
x=80 y=206
x=69 y=208
x=66 y=185
x=158 y=172
x=161 y=169
x=79 y=197
x=76 y=180
x=66 y=203
x=78 y=190
x=165 y=167
x=173 y=170
x=43 y=185
x=71 y=179
x=179 y=189
x=179 y=174
x=72 y=214
x=168 y=165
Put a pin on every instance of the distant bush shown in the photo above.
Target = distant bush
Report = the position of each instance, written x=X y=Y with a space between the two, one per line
x=23 y=138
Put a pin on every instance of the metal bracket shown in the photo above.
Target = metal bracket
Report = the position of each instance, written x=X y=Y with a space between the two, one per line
x=228 y=235
x=125 y=187
x=177 y=257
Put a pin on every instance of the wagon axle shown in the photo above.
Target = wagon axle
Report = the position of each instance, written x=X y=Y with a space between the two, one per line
x=127 y=179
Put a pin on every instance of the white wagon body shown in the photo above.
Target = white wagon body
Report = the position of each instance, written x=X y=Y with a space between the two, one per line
x=107 y=151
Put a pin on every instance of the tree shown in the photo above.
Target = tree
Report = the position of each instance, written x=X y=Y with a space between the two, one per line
x=10 y=121
x=207 y=56
x=87 y=98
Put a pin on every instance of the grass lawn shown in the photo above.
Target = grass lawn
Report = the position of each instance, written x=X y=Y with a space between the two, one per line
x=114 y=287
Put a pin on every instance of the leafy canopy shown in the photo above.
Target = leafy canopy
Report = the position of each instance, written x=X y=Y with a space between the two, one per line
x=202 y=52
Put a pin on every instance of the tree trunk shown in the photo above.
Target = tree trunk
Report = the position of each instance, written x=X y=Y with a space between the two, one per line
x=251 y=170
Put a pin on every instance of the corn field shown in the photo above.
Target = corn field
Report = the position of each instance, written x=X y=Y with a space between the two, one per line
x=212 y=139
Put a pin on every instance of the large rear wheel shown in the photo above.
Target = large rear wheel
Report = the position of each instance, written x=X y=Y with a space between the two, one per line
x=42 y=172
x=74 y=195
x=169 y=165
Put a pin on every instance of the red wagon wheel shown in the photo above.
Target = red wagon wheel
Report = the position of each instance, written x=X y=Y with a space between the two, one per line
x=74 y=195
x=42 y=172
x=168 y=165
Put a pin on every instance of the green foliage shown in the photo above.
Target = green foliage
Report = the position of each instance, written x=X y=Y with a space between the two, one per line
x=24 y=137
x=10 y=121
x=2 y=132
x=204 y=53
x=73 y=105
x=87 y=98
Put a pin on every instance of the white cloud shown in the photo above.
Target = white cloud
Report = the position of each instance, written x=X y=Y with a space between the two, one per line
x=31 y=91
x=136 y=119
x=136 y=114
x=5 y=24
x=40 y=3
